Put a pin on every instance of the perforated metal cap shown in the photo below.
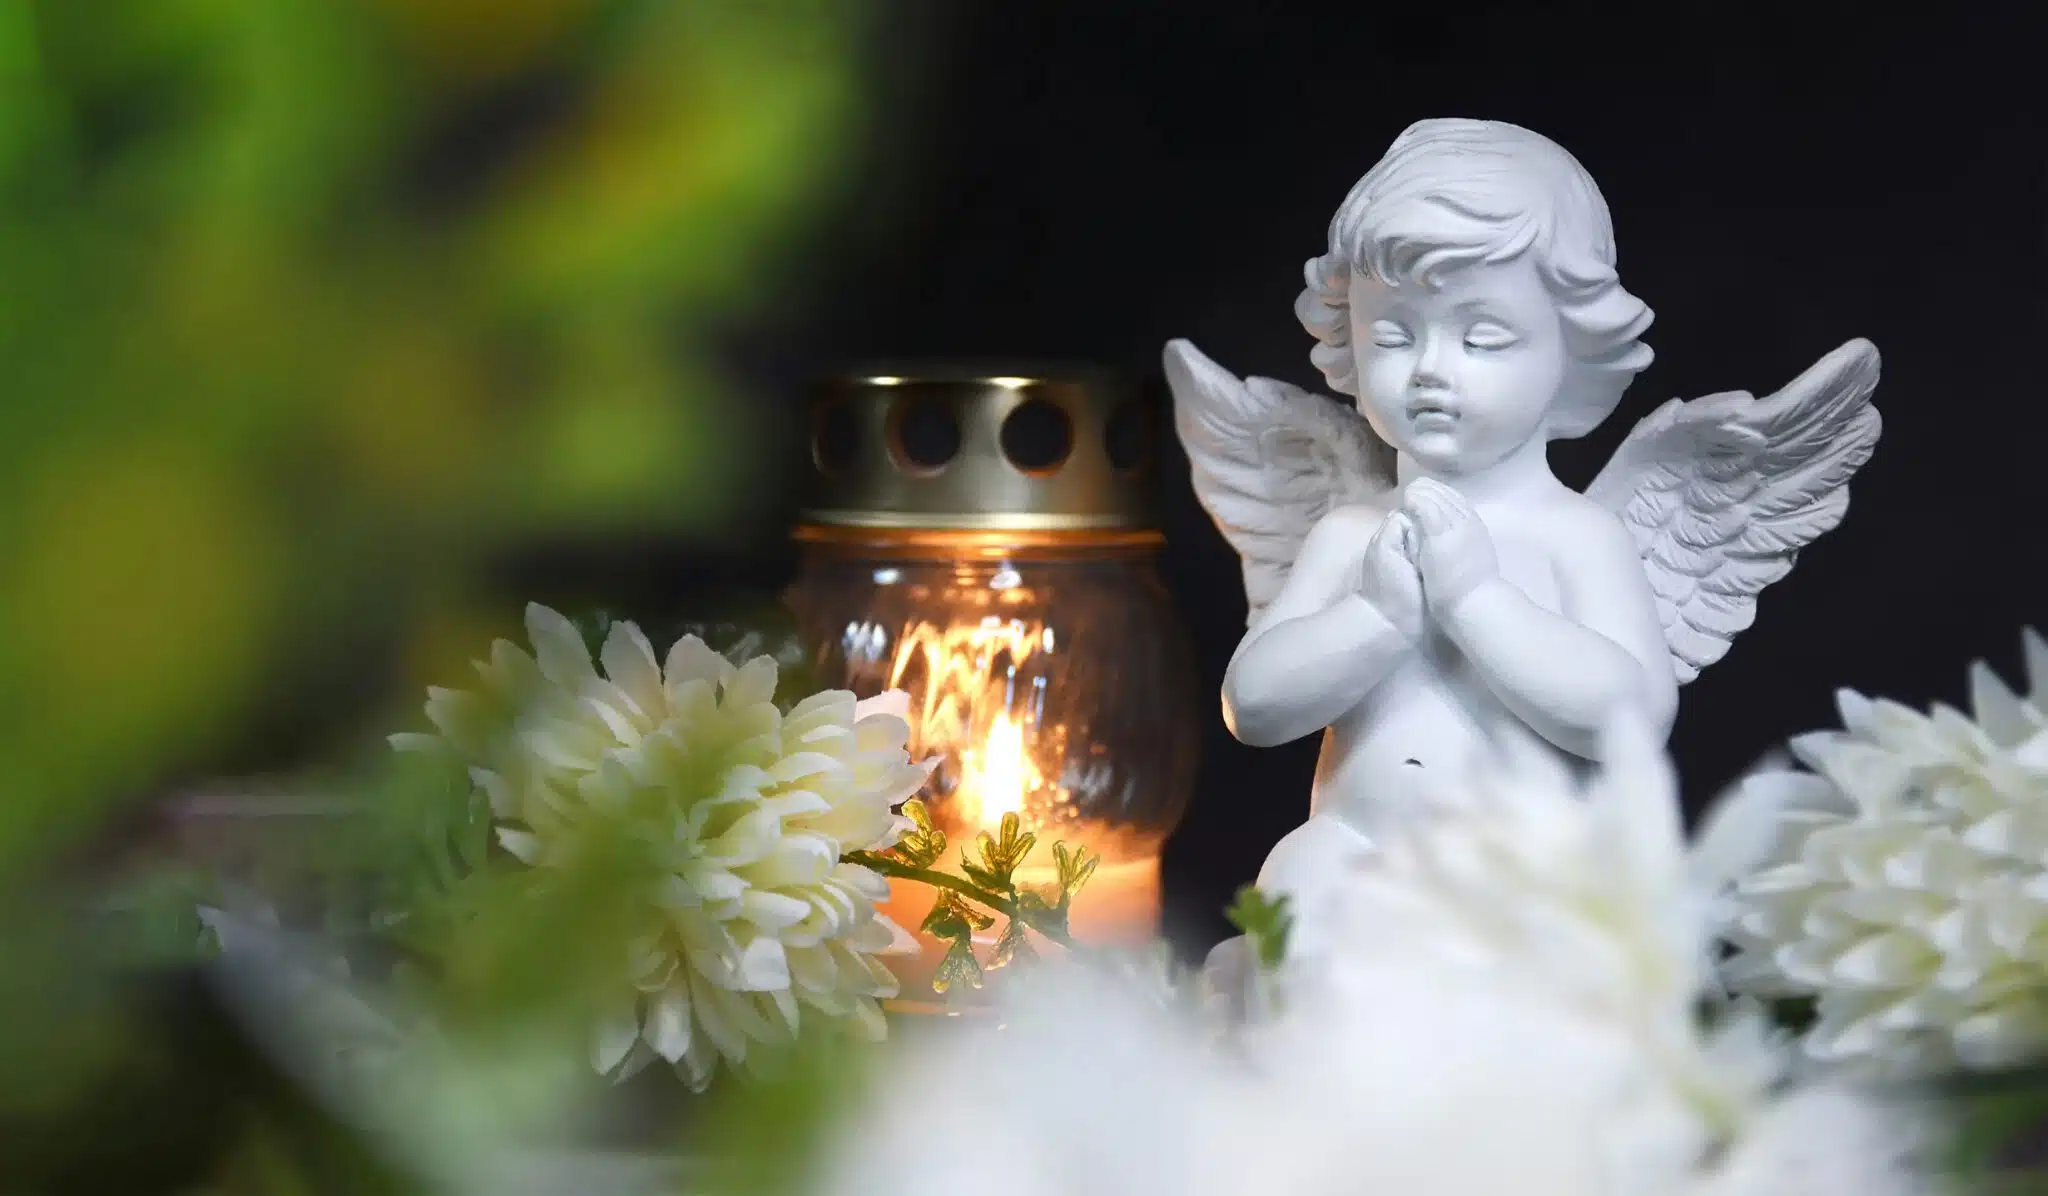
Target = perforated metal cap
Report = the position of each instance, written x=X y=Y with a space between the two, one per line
x=974 y=450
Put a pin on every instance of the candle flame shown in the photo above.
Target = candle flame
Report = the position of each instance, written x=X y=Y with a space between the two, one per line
x=997 y=779
x=970 y=703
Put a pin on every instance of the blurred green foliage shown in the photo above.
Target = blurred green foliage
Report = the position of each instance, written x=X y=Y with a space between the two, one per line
x=309 y=305
x=309 y=309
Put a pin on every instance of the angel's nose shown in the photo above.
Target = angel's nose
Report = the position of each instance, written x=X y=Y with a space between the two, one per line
x=1432 y=372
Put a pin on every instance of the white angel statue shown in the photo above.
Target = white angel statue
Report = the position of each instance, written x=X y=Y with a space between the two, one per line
x=1421 y=585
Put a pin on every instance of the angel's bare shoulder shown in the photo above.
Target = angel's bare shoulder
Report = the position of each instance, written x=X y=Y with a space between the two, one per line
x=1581 y=535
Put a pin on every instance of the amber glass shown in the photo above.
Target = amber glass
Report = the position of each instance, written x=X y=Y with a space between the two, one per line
x=1054 y=681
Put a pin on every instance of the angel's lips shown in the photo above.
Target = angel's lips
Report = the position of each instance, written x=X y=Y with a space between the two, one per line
x=1432 y=413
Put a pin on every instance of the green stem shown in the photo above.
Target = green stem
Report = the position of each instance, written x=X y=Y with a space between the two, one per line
x=966 y=888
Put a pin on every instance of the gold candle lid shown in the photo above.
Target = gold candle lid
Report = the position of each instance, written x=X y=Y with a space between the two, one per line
x=931 y=449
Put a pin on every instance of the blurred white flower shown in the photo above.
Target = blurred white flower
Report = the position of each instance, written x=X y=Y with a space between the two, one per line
x=1500 y=999
x=1903 y=881
x=1573 y=899
x=1828 y=1139
x=755 y=920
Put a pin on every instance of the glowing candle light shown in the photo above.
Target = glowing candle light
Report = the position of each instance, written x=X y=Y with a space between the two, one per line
x=984 y=542
x=996 y=786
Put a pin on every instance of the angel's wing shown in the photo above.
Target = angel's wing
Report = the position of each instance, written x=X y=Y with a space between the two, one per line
x=1268 y=461
x=1721 y=493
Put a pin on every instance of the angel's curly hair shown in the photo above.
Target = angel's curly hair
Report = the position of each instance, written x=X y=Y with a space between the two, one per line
x=1453 y=193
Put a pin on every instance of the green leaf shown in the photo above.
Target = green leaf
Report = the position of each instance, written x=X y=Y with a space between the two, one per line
x=921 y=848
x=954 y=922
x=958 y=967
x=951 y=916
x=1995 y=1114
x=983 y=878
x=155 y=917
x=1001 y=853
x=1013 y=946
x=1265 y=922
x=1044 y=910
x=1074 y=866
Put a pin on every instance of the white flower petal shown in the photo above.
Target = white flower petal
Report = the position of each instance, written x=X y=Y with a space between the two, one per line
x=772 y=912
x=750 y=838
x=636 y=1061
x=744 y=782
x=752 y=684
x=826 y=708
x=630 y=664
x=880 y=935
x=614 y=1039
x=868 y=1021
x=862 y=881
x=698 y=1066
x=668 y=1022
x=798 y=860
x=510 y=672
x=618 y=717
x=524 y=845
x=795 y=803
x=609 y=787
x=1884 y=961
x=763 y=966
x=558 y=648
x=2003 y=1035
x=564 y=746
x=700 y=881
x=462 y=717
x=788 y=1013
x=882 y=733
x=893 y=703
x=799 y=766
x=504 y=803
x=812 y=968
x=716 y=1010
x=691 y=700
x=690 y=659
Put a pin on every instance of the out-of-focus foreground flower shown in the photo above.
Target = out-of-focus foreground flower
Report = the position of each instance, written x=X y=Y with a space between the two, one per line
x=1905 y=882
x=1502 y=999
x=737 y=815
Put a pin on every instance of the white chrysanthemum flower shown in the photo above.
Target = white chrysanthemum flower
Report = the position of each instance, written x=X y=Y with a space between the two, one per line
x=1904 y=881
x=1526 y=962
x=756 y=917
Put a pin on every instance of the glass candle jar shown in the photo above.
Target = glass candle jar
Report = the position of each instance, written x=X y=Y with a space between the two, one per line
x=984 y=543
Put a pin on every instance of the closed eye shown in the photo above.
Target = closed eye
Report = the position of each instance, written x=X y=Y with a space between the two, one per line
x=1389 y=335
x=1487 y=335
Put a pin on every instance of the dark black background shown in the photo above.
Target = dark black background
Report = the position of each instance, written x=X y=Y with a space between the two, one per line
x=1087 y=180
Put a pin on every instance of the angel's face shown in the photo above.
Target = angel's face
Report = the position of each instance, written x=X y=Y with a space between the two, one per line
x=1460 y=375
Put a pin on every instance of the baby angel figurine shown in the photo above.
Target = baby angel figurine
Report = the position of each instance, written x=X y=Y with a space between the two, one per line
x=1421 y=586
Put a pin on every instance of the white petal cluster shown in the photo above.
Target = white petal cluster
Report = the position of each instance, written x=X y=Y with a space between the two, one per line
x=755 y=920
x=1500 y=999
x=1540 y=899
x=1905 y=885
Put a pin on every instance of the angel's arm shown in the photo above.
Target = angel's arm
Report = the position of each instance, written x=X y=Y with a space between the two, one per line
x=1563 y=674
x=1318 y=649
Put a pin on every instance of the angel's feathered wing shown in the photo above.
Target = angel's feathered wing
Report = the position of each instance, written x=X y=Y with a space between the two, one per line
x=1721 y=493
x=1269 y=460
